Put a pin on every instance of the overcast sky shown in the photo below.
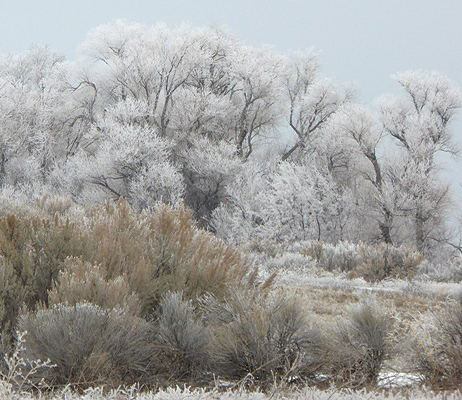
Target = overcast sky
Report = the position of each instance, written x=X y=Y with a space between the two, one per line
x=360 y=41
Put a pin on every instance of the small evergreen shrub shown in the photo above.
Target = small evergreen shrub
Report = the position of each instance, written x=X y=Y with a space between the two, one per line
x=437 y=348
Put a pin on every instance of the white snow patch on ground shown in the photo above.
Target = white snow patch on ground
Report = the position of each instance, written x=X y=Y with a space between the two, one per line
x=390 y=380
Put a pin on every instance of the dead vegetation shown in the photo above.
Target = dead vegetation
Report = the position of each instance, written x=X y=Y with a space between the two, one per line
x=112 y=296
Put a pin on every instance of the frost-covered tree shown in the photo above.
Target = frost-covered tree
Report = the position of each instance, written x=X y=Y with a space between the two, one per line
x=37 y=110
x=192 y=115
x=287 y=202
x=208 y=169
x=420 y=125
x=312 y=102
x=146 y=64
x=305 y=203
x=240 y=218
x=361 y=127
x=258 y=101
x=126 y=159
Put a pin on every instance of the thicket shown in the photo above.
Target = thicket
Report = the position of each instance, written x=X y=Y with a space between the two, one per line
x=110 y=256
x=178 y=116
x=105 y=295
x=114 y=296
x=372 y=262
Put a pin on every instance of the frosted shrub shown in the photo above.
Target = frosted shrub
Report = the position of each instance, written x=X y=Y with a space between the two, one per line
x=18 y=374
x=344 y=256
x=382 y=261
x=181 y=338
x=437 y=348
x=88 y=345
x=32 y=246
x=341 y=257
x=372 y=262
x=449 y=270
x=122 y=252
x=360 y=344
x=262 y=338
x=290 y=263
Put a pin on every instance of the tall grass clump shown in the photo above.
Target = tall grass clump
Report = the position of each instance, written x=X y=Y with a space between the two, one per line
x=360 y=344
x=437 y=348
x=264 y=338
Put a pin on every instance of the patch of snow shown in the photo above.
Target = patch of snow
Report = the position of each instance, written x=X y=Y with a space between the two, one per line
x=390 y=380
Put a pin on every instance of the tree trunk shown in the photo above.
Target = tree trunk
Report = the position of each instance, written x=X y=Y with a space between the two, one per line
x=385 y=226
x=419 y=231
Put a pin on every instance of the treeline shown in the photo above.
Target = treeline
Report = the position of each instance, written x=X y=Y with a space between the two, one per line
x=254 y=142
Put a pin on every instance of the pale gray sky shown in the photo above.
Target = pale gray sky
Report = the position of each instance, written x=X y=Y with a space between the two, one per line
x=360 y=41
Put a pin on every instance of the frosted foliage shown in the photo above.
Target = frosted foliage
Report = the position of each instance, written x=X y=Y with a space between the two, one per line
x=159 y=182
x=301 y=70
x=361 y=125
x=208 y=168
x=155 y=114
x=258 y=97
x=421 y=120
x=204 y=113
x=208 y=159
x=302 y=204
x=36 y=108
x=182 y=75
x=104 y=41
x=311 y=102
x=130 y=161
x=432 y=91
x=320 y=100
x=239 y=219
x=293 y=202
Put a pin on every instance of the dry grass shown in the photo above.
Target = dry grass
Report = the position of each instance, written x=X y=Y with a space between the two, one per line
x=264 y=338
x=111 y=256
x=360 y=344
